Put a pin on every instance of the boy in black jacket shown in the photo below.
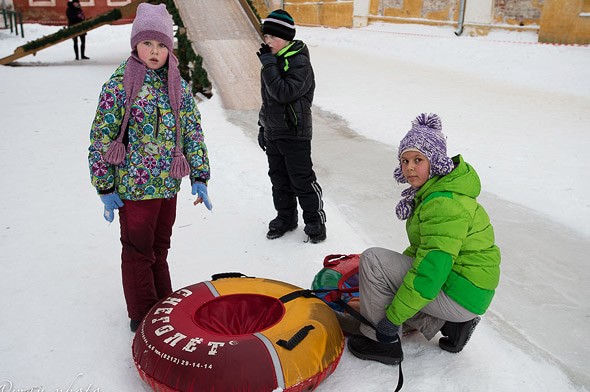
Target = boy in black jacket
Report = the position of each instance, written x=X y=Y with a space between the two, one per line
x=288 y=84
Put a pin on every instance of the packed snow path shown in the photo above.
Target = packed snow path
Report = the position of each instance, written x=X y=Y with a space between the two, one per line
x=540 y=283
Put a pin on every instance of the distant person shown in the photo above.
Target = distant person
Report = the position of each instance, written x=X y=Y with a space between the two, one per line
x=146 y=136
x=288 y=84
x=76 y=15
x=447 y=277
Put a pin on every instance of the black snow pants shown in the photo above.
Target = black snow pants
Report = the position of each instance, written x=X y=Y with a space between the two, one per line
x=292 y=177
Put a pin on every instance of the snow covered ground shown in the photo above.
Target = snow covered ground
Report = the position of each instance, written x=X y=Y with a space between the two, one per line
x=517 y=110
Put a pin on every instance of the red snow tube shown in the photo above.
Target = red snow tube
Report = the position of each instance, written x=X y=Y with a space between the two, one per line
x=237 y=334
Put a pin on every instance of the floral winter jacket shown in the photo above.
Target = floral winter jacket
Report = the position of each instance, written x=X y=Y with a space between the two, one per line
x=150 y=139
x=452 y=243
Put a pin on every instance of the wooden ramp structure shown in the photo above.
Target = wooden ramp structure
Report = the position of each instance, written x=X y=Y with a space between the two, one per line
x=226 y=34
x=125 y=12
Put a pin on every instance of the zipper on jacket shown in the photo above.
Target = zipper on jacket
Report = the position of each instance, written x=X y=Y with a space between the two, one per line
x=157 y=130
x=291 y=118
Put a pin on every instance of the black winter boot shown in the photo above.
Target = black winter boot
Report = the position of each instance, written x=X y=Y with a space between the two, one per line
x=364 y=348
x=316 y=232
x=133 y=325
x=456 y=335
x=279 y=226
x=83 y=49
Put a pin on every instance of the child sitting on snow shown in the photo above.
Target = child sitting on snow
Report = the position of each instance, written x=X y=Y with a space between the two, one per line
x=449 y=273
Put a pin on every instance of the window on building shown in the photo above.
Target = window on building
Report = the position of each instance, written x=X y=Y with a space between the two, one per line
x=585 y=8
x=118 y=3
x=42 y=3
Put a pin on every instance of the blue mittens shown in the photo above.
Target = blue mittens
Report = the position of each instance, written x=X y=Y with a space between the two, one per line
x=387 y=331
x=200 y=189
x=111 y=202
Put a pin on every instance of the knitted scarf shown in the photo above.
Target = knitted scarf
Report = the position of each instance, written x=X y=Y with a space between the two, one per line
x=133 y=79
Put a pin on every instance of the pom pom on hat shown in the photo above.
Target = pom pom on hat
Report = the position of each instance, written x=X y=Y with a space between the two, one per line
x=426 y=137
x=152 y=22
x=280 y=24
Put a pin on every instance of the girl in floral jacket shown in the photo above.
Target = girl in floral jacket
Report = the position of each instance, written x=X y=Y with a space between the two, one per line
x=146 y=136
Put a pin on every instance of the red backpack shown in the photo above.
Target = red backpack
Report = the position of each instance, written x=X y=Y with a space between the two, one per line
x=337 y=283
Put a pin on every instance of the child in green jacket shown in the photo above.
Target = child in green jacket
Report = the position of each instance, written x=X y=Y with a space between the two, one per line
x=446 y=278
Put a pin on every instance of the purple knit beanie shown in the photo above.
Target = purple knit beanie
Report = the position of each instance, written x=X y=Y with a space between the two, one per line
x=152 y=22
x=426 y=137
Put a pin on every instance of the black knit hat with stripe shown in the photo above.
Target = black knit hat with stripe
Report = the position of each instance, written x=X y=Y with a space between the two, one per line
x=280 y=24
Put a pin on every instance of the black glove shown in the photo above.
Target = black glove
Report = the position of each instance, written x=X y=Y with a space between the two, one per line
x=387 y=331
x=264 y=48
x=265 y=55
x=261 y=139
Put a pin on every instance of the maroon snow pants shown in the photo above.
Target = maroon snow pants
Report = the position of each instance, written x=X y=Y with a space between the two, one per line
x=146 y=228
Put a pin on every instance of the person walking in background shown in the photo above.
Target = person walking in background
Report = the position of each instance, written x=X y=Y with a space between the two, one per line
x=447 y=276
x=285 y=132
x=75 y=15
x=146 y=136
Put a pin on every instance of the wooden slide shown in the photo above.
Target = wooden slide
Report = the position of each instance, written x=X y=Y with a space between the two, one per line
x=227 y=36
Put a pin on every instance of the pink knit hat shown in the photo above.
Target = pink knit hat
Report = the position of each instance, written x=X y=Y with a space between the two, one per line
x=152 y=22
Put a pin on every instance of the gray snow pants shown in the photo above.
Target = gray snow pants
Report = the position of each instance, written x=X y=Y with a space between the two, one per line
x=381 y=272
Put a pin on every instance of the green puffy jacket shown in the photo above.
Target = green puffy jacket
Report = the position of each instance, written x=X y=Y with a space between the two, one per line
x=150 y=139
x=452 y=243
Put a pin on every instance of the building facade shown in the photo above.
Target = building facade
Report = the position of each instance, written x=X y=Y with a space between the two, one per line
x=555 y=21
x=53 y=12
